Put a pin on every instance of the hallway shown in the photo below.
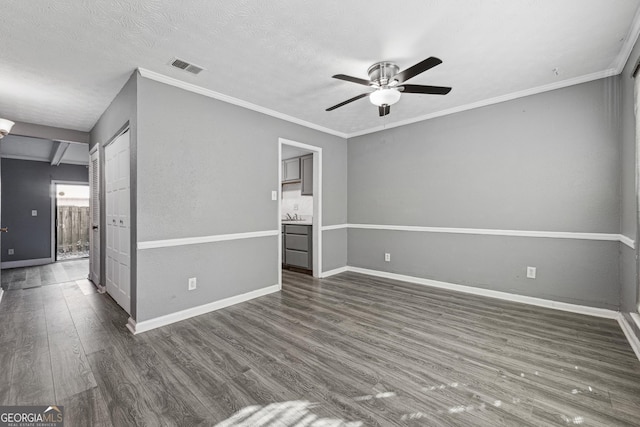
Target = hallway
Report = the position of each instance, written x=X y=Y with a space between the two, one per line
x=42 y=275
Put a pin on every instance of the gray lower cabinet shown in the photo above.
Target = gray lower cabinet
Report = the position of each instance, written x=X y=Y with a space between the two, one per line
x=297 y=248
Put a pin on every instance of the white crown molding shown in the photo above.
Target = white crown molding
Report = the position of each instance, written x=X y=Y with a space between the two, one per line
x=153 y=244
x=540 y=302
x=627 y=241
x=333 y=272
x=629 y=42
x=496 y=100
x=25 y=263
x=493 y=232
x=235 y=101
x=628 y=332
x=146 y=325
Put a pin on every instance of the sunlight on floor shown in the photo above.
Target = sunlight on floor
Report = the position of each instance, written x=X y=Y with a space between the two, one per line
x=295 y=413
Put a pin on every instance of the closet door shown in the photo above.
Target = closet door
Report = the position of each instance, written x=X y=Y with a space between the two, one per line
x=118 y=254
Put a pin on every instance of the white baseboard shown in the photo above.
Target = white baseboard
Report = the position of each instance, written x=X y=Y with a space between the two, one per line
x=25 y=263
x=540 y=302
x=333 y=272
x=631 y=336
x=147 y=325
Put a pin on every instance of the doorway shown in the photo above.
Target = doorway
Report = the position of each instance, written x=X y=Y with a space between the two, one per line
x=300 y=206
x=71 y=221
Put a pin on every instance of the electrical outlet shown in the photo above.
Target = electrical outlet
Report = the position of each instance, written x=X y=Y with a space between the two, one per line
x=274 y=195
x=192 y=283
x=295 y=207
x=531 y=272
x=10 y=251
x=34 y=213
x=387 y=257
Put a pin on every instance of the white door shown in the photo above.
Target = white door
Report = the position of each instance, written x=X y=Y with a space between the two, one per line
x=94 y=216
x=118 y=255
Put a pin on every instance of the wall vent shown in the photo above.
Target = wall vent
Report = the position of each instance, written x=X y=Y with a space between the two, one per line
x=186 y=66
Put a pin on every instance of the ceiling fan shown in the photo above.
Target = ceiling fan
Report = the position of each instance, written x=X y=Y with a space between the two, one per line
x=388 y=83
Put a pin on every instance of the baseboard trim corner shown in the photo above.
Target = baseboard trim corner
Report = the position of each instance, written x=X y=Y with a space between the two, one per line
x=25 y=263
x=147 y=325
x=540 y=302
x=131 y=325
x=333 y=272
x=628 y=332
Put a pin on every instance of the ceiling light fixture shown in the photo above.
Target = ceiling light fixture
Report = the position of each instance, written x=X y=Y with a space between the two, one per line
x=384 y=96
x=5 y=127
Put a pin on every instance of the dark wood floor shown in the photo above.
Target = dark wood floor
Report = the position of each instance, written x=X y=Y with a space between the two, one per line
x=348 y=350
x=42 y=275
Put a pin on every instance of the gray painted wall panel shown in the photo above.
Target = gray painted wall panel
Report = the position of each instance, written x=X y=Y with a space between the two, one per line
x=334 y=249
x=27 y=186
x=573 y=271
x=628 y=290
x=546 y=162
x=629 y=282
x=205 y=167
x=122 y=110
x=222 y=269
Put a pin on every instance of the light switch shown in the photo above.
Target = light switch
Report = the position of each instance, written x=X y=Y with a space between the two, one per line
x=34 y=213
x=274 y=195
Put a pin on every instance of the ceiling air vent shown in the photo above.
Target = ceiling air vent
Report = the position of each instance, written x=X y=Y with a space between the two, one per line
x=184 y=65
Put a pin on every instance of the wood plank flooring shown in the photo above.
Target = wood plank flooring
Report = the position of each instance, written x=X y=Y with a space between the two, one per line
x=350 y=350
x=42 y=275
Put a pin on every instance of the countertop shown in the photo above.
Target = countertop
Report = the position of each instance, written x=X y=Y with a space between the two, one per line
x=305 y=222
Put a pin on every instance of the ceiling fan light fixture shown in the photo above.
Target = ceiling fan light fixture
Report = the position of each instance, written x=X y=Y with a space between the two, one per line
x=5 y=127
x=384 y=96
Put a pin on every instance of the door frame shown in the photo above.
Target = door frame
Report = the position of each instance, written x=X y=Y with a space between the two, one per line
x=53 y=193
x=96 y=269
x=317 y=205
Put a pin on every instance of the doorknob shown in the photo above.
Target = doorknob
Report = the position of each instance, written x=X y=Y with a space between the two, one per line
x=4 y=230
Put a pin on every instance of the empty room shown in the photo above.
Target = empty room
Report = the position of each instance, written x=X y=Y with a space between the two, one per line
x=296 y=213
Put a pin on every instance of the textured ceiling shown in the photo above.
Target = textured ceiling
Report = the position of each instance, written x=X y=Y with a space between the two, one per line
x=63 y=61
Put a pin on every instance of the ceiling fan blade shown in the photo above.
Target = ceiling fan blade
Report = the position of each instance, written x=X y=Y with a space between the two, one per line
x=420 y=67
x=355 y=98
x=429 y=90
x=352 y=79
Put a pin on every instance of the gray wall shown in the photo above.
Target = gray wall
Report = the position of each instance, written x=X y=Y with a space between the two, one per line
x=122 y=112
x=629 y=209
x=548 y=162
x=27 y=186
x=205 y=168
